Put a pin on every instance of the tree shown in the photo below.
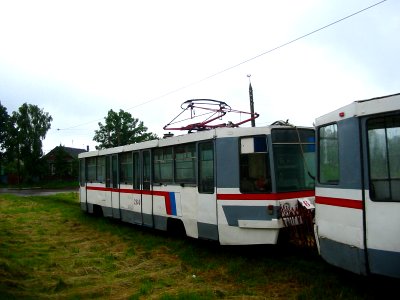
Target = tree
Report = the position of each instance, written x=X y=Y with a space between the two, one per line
x=121 y=129
x=4 y=118
x=29 y=126
x=4 y=121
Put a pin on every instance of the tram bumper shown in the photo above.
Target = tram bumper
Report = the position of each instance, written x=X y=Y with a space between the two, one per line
x=262 y=224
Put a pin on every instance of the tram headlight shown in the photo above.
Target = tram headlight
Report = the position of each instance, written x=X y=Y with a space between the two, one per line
x=270 y=209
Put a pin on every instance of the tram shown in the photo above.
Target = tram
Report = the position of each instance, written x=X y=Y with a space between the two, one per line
x=223 y=184
x=357 y=203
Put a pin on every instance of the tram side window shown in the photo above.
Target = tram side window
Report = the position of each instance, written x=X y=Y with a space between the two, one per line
x=206 y=168
x=101 y=169
x=384 y=158
x=146 y=172
x=108 y=171
x=126 y=168
x=91 y=169
x=136 y=170
x=114 y=171
x=328 y=154
x=185 y=161
x=163 y=165
x=255 y=174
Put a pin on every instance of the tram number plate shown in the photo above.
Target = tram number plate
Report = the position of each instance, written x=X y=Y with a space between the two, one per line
x=136 y=201
x=306 y=203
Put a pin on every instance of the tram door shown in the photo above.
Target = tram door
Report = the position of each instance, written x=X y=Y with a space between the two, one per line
x=108 y=195
x=147 y=197
x=382 y=200
x=137 y=187
x=207 y=206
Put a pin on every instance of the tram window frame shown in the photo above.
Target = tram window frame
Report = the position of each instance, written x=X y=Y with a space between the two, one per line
x=293 y=158
x=329 y=171
x=384 y=171
x=126 y=168
x=206 y=172
x=114 y=171
x=136 y=170
x=254 y=165
x=100 y=169
x=185 y=163
x=146 y=169
x=163 y=165
x=91 y=163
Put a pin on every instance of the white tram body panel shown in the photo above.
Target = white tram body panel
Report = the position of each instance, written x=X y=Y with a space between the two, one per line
x=339 y=223
x=358 y=186
x=251 y=221
x=238 y=228
x=381 y=233
x=198 y=179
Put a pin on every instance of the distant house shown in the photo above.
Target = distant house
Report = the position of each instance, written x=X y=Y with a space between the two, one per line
x=62 y=163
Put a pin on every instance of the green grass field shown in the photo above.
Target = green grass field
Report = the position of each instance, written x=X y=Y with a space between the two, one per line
x=49 y=249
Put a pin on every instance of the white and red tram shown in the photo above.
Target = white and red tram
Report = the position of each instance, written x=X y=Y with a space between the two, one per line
x=357 y=212
x=224 y=184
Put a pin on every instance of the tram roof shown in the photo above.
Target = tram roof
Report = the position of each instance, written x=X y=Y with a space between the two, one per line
x=188 y=138
x=361 y=108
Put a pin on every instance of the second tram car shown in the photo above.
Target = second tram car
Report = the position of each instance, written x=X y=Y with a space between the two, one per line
x=357 y=211
x=223 y=184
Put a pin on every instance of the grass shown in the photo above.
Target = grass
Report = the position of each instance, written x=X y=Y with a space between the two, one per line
x=49 y=249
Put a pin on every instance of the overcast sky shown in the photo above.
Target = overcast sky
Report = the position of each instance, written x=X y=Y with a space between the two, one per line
x=77 y=60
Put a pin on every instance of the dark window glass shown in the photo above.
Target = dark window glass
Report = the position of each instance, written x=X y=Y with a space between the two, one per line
x=185 y=163
x=294 y=159
x=163 y=165
x=126 y=168
x=136 y=168
x=292 y=135
x=294 y=167
x=328 y=154
x=101 y=168
x=146 y=170
x=115 y=171
x=206 y=167
x=91 y=169
x=384 y=158
x=108 y=171
x=255 y=172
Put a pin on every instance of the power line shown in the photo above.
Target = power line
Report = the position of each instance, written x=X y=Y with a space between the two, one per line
x=243 y=62
x=292 y=41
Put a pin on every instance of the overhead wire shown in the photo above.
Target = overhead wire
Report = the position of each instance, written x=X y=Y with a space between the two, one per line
x=242 y=62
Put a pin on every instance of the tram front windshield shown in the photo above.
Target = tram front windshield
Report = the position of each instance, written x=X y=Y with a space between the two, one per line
x=294 y=159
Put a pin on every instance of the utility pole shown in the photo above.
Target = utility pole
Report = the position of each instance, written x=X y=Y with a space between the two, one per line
x=253 y=121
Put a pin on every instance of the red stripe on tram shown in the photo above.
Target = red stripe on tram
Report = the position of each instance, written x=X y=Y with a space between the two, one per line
x=272 y=196
x=166 y=195
x=340 y=202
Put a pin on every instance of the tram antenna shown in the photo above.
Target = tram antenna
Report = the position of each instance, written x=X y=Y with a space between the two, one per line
x=253 y=121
